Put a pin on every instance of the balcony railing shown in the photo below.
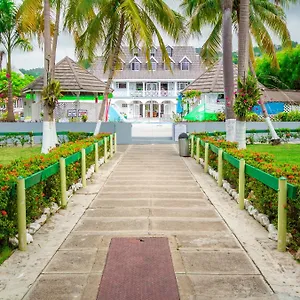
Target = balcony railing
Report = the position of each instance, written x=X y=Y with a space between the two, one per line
x=141 y=94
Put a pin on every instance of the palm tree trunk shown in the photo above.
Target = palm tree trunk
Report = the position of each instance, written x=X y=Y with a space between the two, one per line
x=55 y=39
x=1 y=59
x=243 y=57
x=228 y=69
x=10 y=100
x=111 y=75
x=49 y=128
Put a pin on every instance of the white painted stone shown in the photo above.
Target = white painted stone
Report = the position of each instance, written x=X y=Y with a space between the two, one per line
x=54 y=207
x=29 y=238
x=13 y=241
x=250 y=208
x=47 y=211
x=273 y=236
x=265 y=220
x=254 y=213
x=247 y=204
x=42 y=220
x=33 y=228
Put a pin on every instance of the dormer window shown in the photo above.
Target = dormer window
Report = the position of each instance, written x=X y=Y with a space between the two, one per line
x=120 y=65
x=172 y=64
x=185 y=64
x=136 y=51
x=135 y=64
x=153 y=51
x=169 y=50
x=153 y=63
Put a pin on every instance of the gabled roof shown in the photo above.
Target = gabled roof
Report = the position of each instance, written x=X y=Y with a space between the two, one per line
x=135 y=58
x=185 y=57
x=169 y=46
x=72 y=78
x=153 y=58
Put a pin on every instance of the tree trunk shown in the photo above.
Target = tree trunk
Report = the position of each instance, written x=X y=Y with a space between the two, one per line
x=1 y=59
x=10 y=100
x=228 y=69
x=49 y=126
x=243 y=58
x=55 y=39
x=111 y=75
x=275 y=138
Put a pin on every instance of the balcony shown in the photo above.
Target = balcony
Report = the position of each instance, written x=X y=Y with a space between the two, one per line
x=144 y=94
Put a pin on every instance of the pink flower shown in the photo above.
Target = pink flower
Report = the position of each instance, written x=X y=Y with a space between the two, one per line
x=7 y=75
x=258 y=102
x=245 y=101
x=228 y=103
x=226 y=98
x=249 y=108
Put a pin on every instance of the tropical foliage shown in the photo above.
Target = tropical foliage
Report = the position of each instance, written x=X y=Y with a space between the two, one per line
x=288 y=74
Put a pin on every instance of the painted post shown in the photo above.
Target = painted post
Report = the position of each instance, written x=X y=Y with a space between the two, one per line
x=220 y=167
x=32 y=139
x=206 y=158
x=192 y=146
x=21 y=213
x=282 y=214
x=63 y=182
x=198 y=150
x=96 y=157
x=111 y=146
x=115 y=143
x=105 y=149
x=83 y=167
x=242 y=184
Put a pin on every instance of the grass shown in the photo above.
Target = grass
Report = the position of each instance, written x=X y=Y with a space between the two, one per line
x=7 y=154
x=5 y=253
x=284 y=153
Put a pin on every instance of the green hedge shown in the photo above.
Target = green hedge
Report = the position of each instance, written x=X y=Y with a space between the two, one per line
x=40 y=195
x=263 y=198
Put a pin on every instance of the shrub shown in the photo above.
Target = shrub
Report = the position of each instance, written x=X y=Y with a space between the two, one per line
x=263 y=198
x=40 y=195
x=292 y=116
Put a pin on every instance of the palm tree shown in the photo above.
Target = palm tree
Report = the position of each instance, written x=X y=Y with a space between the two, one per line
x=264 y=16
x=110 y=24
x=228 y=69
x=2 y=53
x=11 y=38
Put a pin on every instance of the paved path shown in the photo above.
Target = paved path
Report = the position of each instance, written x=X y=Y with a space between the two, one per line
x=151 y=192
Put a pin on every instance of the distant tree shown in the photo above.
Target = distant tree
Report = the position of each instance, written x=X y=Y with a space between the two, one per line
x=288 y=74
x=36 y=72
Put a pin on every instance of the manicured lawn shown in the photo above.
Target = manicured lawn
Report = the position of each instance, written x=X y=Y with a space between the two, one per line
x=5 y=253
x=285 y=153
x=8 y=154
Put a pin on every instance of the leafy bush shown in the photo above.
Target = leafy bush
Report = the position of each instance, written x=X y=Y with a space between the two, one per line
x=40 y=195
x=75 y=136
x=292 y=116
x=263 y=198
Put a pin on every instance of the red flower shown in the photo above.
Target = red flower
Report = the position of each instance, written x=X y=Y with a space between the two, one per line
x=4 y=213
x=7 y=75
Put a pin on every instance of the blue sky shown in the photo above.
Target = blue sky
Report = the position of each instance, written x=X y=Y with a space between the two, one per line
x=66 y=46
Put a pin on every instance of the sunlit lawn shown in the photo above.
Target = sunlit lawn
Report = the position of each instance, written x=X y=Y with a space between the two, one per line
x=8 y=154
x=284 y=153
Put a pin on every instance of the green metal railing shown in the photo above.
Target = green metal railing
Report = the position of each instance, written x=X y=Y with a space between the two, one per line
x=58 y=167
x=285 y=190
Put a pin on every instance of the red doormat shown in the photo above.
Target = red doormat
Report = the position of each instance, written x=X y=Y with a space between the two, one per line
x=138 y=269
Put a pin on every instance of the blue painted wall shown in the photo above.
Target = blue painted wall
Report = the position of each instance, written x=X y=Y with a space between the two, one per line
x=272 y=108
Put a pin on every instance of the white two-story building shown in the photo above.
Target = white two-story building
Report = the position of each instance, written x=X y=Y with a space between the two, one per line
x=143 y=91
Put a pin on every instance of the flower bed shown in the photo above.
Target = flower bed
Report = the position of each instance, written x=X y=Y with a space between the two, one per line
x=262 y=197
x=46 y=192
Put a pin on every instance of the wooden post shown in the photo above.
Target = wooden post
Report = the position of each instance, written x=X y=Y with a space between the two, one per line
x=192 y=146
x=32 y=139
x=220 y=167
x=83 y=167
x=96 y=157
x=105 y=149
x=115 y=143
x=206 y=158
x=63 y=182
x=241 y=184
x=198 y=150
x=282 y=214
x=111 y=146
x=21 y=213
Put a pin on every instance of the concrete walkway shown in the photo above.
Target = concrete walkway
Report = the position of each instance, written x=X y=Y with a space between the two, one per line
x=153 y=192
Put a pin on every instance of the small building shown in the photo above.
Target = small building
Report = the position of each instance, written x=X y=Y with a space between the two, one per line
x=211 y=84
x=81 y=94
x=143 y=90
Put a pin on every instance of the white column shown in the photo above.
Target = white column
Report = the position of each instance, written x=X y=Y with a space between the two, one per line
x=128 y=89
x=159 y=109
x=144 y=110
x=144 y=88
x=159 y=89
x=151 y=109
x=175 y=89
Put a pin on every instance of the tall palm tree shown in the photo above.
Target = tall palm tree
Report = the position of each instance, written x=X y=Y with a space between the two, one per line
x=264 y=17
x=11 y=38
x=2 y=53
x=228 y=69
x=109 y=24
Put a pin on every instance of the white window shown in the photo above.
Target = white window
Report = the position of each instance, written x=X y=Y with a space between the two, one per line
x=170 y=51
x=153 y=51
x=182 y=85
x=124 y=105
x=135 y=66
x=153 y=65
x=185 y=65
x=121 y=85
x=169 y=68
